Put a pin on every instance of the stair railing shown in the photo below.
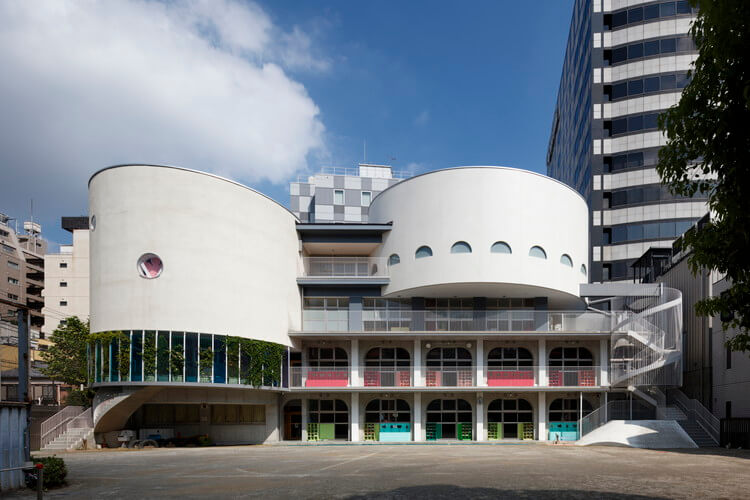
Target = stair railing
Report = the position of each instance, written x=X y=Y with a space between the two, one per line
x=695 y=411
x=56 y=425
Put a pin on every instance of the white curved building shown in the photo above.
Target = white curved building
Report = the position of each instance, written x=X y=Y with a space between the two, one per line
x=454 y=313
x=491 y=231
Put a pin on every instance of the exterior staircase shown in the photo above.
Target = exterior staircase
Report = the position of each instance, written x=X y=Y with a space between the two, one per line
x=697 y=433
x=69 y=429
x=71 y=439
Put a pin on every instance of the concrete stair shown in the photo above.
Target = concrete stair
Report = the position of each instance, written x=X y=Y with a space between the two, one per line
x=697 y=434
x=674 y=413
x=72 y=439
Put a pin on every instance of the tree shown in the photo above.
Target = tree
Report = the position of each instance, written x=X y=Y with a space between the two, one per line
x=66 y=359
x=707 y=134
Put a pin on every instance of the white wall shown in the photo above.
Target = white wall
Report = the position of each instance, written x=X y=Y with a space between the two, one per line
x=76 y=275
x=230 y=255
x=482 y=205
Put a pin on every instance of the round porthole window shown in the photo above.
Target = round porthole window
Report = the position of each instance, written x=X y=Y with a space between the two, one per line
x=150 y=266
x=92 y=222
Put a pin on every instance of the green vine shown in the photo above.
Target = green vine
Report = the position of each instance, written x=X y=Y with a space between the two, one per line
x=263 y=365
x=123 y=352
x=206 y=362
x=176 y=362
x=149 y=355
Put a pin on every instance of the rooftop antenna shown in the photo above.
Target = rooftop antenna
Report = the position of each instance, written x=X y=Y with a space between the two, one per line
x=364 y=152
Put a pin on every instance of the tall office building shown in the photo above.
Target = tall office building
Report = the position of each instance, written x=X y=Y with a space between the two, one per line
x=625 y=62
x=341 y=194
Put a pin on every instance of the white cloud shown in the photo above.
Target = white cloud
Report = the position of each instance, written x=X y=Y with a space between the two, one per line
x=200 y=84
x=422 y=118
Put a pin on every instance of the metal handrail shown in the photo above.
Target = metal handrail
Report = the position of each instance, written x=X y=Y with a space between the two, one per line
x=82 y=421
x=468 y=320
x=701 y=415
x=57 y=424
x=344 y=267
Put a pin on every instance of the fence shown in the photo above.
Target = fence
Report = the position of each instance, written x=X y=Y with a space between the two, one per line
x=628 y=409
x=13 y=437
x=735 y=432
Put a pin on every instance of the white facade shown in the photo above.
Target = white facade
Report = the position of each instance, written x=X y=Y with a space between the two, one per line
x=481 y=206
x=500 y=341
x=66 y=282
x=221 y=245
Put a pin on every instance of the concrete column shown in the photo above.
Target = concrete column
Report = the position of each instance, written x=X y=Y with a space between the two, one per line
x=603 y=362
x=479 y=436
x=305 y=365
x=354 y=417
x=542 y=363
x=416 y=412
x=417 y=367
x=541 y=416
x=354 y=364
x=355 y=314
x=481 y=380
x=304 y=418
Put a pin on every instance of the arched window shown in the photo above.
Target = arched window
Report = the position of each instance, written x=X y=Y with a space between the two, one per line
x=394 y=259
x=571 y=367
x=387 y=367
x=327 y=357
x=570 y=357
x=583 y=269
x=500 y=247
x=387 y=410
x=449 y=367
x=566 y=410
x=508 y=413
x=444 y=416
x=461 y=247
x=509 y=357
x=423 y=251
x=537 y=251
x=566 y=260
x=332 y=415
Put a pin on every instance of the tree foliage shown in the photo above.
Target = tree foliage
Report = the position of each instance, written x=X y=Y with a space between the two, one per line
x=66 y=359
x=708 y=134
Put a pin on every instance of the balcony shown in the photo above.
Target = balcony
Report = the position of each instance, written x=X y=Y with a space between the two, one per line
x=344 y=270
x=444 y=320
x=442 y=376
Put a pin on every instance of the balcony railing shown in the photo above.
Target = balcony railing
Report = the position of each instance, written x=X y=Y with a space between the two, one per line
x=304 y=376
x=445 y=320
x=442 y=376
x=344 y=267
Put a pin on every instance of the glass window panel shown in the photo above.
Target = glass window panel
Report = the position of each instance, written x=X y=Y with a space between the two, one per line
x=619 y=55
x=136 y=356
x=635 y=123
x=667 y=45
x=635 y=51
x=619 y=19
x=635 y=15
x=635 y=232
x=635 y=87
x=651 y=12
x=683 y=7
x=651 y=231
x=685 y=45
x=651 y=48
x=619 y=126
x=666 y=230
x=681 y=80
x=191 y=357
x=620 y=90
x=651 y=84
x=635 y=160
x=162 y=357
x=220 y=364
x=668 y=82
x=650 y=120
x=667 y=9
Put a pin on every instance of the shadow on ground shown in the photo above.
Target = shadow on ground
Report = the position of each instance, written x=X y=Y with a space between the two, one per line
x=450 y=492
x=716 y=451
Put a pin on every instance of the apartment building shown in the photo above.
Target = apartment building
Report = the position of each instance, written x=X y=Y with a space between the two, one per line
x=22 y=270
x=66 y=280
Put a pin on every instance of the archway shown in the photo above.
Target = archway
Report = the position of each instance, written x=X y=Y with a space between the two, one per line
x=449 y=419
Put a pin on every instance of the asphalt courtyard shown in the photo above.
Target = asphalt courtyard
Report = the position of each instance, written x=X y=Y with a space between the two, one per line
x=406 y=471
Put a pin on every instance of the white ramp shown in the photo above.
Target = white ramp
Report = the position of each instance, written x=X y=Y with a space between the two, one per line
x=655 y=434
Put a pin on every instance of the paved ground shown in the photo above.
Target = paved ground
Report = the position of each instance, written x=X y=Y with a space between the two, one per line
x=407 y=471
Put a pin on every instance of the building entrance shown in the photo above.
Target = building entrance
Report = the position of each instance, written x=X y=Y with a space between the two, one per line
x=293 y=420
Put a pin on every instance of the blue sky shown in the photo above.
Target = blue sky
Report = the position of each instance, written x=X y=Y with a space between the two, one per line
x=261 y=92
x=435 y=84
